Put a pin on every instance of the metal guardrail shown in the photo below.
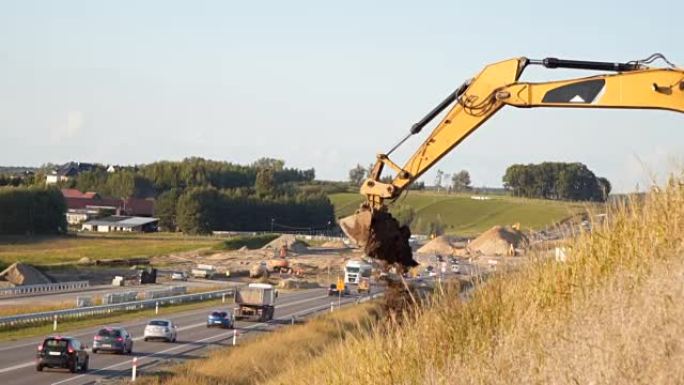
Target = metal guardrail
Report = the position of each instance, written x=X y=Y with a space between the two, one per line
x=48 y=316
x=44 y=288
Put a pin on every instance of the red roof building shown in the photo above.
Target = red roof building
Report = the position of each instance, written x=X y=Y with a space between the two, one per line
x=73 y=193
x=90 y=201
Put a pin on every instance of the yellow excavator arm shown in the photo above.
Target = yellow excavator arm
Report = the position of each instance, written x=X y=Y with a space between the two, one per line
x=633 y=85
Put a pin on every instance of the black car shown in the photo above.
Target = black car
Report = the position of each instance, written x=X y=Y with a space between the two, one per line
x=114 y=340
x=332 y=290
x=62 y=352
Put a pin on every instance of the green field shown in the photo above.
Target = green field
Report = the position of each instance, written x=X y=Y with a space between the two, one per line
x=45 y=250
x=465 y=216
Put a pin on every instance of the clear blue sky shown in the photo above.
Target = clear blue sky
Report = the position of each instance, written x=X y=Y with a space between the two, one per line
x=318 y=84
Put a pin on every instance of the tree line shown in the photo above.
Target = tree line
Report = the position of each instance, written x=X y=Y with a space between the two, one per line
x=152 y=179
x=202 y=209
x=32 y=210
x=556 y=180
x=197 y=195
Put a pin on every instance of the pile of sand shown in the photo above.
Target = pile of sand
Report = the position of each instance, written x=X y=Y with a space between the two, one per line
x=439 y=246
x=259 y=270
x=294 y=283
x=498 y=241
x=292 y=243
x=22 y=274
x=334 y=245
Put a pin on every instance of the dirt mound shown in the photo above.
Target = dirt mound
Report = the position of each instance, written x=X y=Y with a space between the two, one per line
x=259 y=270
x=334 y=245
x=498 y=241
x=22 y=274
x=440 y=246
x=388 y=241
x=292 y=243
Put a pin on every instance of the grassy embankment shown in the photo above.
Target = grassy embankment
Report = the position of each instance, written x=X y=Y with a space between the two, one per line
x=8 y=310
x=613 y=313
x=251 y=242
x=266 y=356
x=465 y=216
x=45 y=250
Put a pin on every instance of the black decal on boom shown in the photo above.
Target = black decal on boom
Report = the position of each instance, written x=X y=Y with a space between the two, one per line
x=583 y=92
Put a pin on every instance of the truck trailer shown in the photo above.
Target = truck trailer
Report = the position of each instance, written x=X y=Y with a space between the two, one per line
x=255 y=301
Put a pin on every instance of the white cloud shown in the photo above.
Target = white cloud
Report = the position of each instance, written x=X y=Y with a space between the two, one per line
x=74 y=123
x=68 y=129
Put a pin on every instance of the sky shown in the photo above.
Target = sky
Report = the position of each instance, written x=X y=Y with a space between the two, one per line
x=319 y=84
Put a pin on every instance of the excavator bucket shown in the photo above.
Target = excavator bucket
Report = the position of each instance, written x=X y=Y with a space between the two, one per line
x=380 y=236
x=357 y=227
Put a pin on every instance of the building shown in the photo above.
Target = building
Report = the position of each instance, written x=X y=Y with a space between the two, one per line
x=84 y=206
x=67 y=171
x=117 y=223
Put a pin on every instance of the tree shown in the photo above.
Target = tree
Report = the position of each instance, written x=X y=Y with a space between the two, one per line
x=461 y=181
x=357 y=175
x=605 y=186
x=270 y=163
x=196 y=211
x=264 y=184
x=165 y=209
x=555 y=180
x=438 y=179
x=32 y=210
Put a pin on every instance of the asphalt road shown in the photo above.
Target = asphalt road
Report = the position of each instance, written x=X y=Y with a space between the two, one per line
x=17 y=365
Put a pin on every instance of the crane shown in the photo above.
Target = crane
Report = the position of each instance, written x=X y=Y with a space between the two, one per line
x=633 y=84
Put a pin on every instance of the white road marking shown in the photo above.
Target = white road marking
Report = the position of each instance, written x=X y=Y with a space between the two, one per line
x=188 y=327
x=218 y=336
x=36 y=342
x=16 y=367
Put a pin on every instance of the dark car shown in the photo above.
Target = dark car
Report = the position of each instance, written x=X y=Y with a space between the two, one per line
x=114 y=340
x=62 y=352
x=220 y=318
x=332 y=290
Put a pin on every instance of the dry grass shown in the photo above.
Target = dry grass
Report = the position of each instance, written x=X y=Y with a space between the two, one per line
x=268 y=355
x=8 y=310
x=614 y=313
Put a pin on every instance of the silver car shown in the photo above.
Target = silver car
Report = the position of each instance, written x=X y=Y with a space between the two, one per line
x=160 y=329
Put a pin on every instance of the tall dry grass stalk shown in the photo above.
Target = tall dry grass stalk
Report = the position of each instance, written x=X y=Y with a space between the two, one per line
x=273 y=352
x=613 y=313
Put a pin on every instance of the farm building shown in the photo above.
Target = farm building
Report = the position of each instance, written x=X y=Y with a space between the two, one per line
x=117 y=223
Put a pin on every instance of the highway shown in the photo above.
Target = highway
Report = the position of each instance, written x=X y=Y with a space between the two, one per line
x=17 y=366
x=70 y=296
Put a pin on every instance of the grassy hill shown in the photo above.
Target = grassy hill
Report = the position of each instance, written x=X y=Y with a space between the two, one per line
x=466 y=216
x=611 y=314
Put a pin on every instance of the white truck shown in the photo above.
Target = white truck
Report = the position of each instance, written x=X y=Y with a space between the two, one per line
x=255 y=300
x=354 y=270
x=203 y=271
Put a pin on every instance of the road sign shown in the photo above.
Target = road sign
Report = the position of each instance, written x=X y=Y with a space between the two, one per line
x=340 y=284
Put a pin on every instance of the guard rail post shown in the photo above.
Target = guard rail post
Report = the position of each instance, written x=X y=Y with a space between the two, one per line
x=134 y=370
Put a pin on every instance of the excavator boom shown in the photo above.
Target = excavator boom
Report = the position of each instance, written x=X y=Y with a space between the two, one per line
x=633 y=85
